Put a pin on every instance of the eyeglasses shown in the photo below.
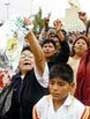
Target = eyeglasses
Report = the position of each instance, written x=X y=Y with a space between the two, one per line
x=26 y=56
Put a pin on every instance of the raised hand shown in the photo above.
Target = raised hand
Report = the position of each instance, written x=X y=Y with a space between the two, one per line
x=57 y=24
x=27 y=21
x=82 y=16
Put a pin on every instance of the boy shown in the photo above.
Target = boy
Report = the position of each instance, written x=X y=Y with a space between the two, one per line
x=60 y=104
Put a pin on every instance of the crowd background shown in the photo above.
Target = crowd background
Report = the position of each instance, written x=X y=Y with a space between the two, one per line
x=44 y=48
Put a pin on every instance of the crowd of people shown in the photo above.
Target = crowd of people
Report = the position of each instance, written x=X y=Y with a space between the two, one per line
x=52 y=79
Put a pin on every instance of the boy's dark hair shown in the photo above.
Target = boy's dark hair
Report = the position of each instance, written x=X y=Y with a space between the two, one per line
x=63 y=71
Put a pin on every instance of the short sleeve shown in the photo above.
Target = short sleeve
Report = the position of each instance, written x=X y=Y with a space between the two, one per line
x=44 y=79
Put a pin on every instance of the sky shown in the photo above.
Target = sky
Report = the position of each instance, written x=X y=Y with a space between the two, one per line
x=26 y=7
x=57 y=7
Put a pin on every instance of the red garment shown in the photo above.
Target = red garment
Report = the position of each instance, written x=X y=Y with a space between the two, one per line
x=83 y=79
x=1 y=83
x=5 y=78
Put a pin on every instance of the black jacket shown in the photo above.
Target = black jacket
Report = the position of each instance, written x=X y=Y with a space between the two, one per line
x=62 y=56
x=25 y=96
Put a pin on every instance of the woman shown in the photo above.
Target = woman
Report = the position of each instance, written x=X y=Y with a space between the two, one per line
x=31 y=82
x=80 y=45
x=83 y=75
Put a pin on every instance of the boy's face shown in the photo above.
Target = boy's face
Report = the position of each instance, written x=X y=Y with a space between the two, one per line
x=59 y=89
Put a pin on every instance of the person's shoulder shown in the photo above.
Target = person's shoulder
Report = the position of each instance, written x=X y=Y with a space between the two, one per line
x=46 y=97
x=86 y=113
x=44 y=100
x=77 y=103
x=43 y=103
x=15 y=77
x=70 y=59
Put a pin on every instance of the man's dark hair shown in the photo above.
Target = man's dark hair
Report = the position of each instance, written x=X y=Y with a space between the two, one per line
x=62 y=71
x=49 y=41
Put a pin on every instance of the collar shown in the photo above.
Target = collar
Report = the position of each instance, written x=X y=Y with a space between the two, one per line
x=69 y=100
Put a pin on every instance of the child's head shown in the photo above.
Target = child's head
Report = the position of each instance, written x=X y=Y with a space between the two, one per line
x=61 y=81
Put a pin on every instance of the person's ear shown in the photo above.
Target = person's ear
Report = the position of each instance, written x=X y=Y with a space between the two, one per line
x=72 y=87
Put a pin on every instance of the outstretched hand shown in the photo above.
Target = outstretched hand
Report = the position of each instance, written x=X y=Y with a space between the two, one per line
x=82 y=16
x=57 y=24
x=27 y=25
x=27 y=21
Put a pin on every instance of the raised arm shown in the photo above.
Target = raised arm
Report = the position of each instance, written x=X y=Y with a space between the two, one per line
x=64 y=49
x=57 y=25
x=36 y=49
x=83 y=17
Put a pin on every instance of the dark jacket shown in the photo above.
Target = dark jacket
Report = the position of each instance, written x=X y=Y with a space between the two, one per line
x=62 y=56
x=25 y=96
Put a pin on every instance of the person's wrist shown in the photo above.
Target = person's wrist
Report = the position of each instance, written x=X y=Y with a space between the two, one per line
x=27 y=29
x=22 y=26
x=57 y=31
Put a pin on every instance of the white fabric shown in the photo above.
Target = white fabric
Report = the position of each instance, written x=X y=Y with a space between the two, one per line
x=74 y=63
x=43 y=80
x=13 y=29
x=71 y=109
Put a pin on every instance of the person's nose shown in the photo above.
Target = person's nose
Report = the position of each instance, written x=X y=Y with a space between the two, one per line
x=80 y=45
x=47 y=48
x=55 y=87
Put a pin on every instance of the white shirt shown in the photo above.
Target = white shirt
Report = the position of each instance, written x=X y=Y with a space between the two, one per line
x=71 y=109
x=42 y=80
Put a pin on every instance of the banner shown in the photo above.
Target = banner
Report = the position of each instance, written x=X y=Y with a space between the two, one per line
x=11 y=42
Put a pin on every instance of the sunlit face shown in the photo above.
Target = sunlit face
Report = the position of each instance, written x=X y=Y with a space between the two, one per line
x=59 y=89
x=26 y=62
x=80 y=47
x=49 y=50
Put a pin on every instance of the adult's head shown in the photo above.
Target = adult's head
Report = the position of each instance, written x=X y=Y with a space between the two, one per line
x=26 y=62
x=80 y=45
x=49 y=47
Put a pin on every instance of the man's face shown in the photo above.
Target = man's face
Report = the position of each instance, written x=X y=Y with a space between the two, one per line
x=59 y=89
x=49 y=50
x=26 y=62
